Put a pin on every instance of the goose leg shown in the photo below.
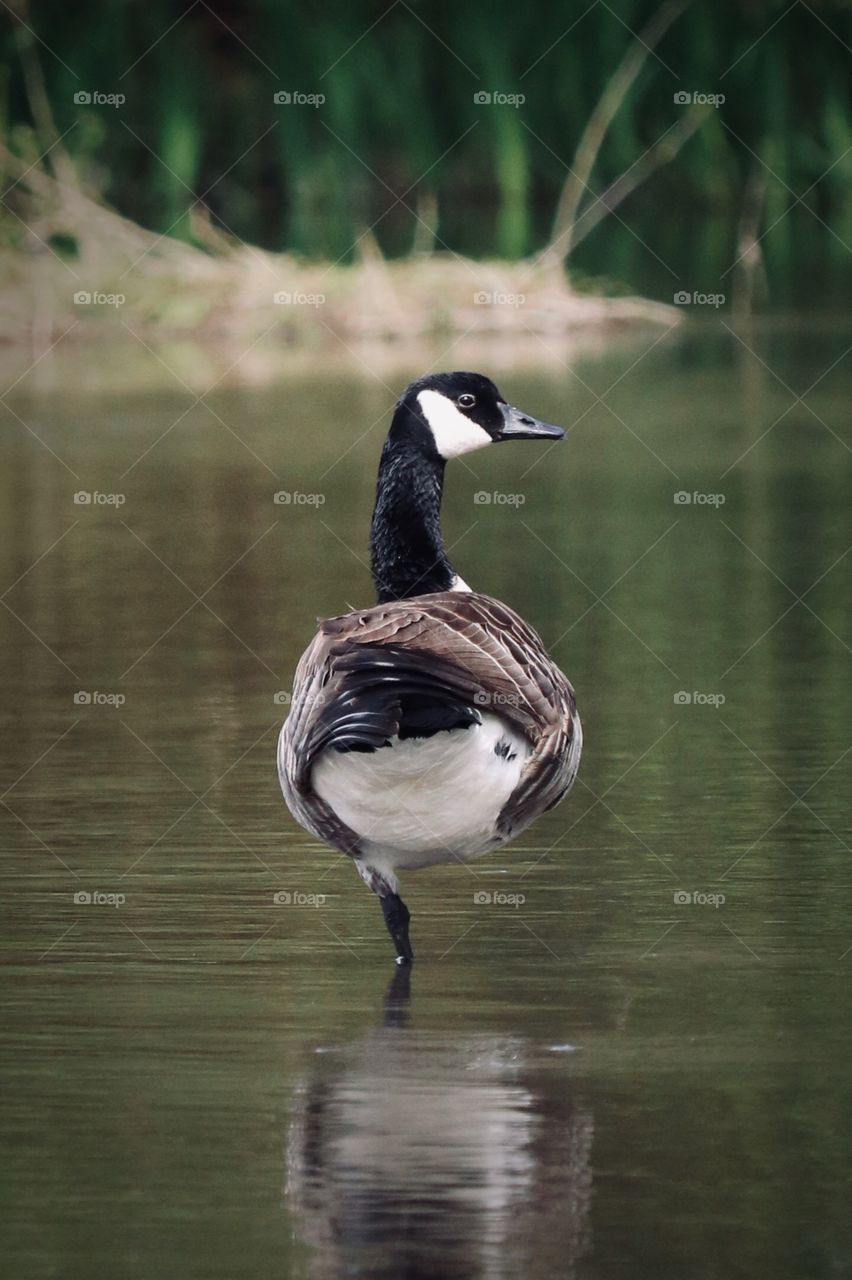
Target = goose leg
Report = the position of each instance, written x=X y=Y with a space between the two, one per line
x=397 y=916
x=394 y=910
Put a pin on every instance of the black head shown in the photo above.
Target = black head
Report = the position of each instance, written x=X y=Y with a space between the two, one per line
x=455 y=413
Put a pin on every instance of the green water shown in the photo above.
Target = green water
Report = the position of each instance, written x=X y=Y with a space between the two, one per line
x=589 y=1077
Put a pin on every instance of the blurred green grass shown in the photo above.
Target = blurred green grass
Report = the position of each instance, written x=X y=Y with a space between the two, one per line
x=399 y=120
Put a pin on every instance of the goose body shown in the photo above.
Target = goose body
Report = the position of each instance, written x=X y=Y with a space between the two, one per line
x=433 y=726
x=390 y=801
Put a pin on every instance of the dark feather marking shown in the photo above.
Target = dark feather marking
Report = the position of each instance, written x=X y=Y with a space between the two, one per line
x=386 y=693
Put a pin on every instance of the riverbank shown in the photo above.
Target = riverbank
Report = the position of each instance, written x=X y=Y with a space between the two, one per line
x=99 y=301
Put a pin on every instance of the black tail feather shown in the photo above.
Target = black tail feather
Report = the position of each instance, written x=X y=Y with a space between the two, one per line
x=387 y=696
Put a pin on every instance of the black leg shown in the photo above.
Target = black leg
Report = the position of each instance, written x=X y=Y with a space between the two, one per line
x=397 y=916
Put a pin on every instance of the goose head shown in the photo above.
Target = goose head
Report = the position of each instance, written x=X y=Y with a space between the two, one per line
x=455 y=413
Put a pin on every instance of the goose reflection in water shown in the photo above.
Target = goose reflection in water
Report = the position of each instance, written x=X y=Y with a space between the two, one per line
x=414 y=1154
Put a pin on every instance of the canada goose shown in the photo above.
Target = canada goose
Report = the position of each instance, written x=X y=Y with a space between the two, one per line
x=433 y=726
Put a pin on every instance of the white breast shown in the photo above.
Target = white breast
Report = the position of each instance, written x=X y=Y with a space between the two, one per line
x=425 y=800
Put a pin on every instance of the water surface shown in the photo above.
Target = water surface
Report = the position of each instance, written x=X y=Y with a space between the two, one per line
x=624 y=1050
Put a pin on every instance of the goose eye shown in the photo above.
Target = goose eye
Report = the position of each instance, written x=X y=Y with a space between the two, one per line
x=466 y=401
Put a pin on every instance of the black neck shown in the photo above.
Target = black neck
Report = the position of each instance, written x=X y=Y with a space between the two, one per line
x=408 y=556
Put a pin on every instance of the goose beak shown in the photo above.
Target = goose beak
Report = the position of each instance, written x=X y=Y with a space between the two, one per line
x=518 y=425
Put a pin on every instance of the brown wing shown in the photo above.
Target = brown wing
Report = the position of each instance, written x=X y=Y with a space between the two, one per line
x=440 y=659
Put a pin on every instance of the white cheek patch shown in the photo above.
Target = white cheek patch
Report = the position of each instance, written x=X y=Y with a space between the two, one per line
x=452 y=431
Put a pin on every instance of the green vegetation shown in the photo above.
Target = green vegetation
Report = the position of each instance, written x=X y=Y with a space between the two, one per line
x=400 y=144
